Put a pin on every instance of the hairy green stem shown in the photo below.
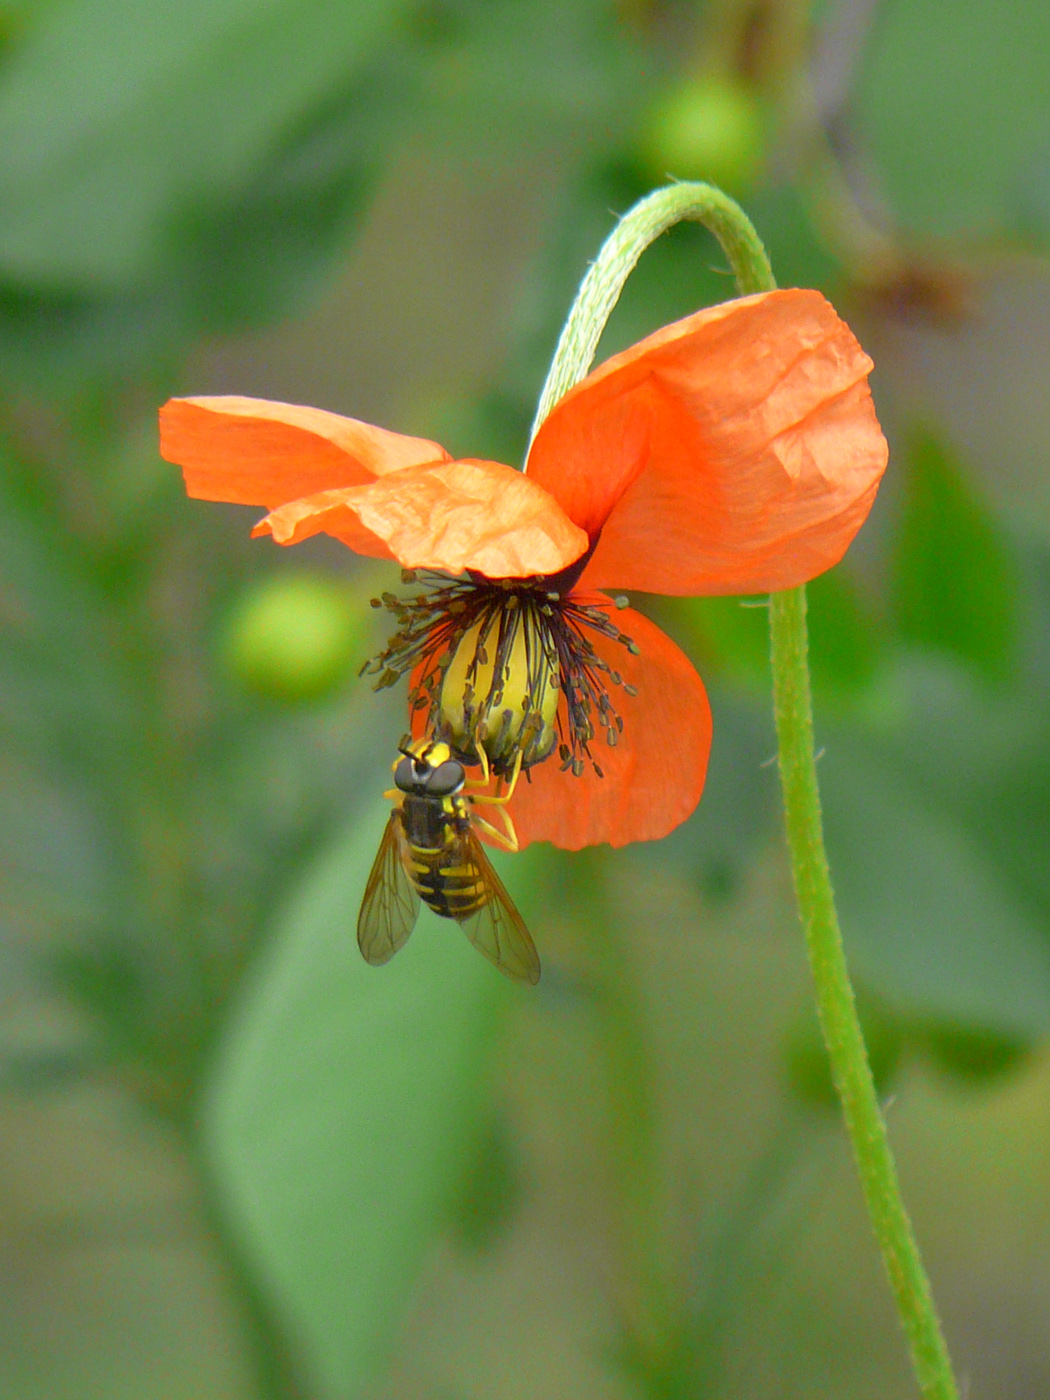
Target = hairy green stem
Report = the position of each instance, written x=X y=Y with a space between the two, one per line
x=595 y=300
x=600 y=290
x=835 y=1001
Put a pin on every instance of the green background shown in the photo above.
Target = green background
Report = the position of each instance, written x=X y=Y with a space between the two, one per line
x=234 y=1160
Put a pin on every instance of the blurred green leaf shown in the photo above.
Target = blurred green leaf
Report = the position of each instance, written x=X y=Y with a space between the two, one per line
x=975 y=1057
x=807 y=1069
x=1032 y=197
x=204 y=187
x=954 y=102
x=568 y=72
x=845 y=637
x=491 y=1188
x=799 y=256
x=954 y=582
x=732 y=634
x=740 y=802
x=982 y=756
x=344 y=1107
x=121 y=118
x=928 y=922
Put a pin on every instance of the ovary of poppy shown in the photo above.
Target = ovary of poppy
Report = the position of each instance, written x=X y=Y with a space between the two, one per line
x=735 y=451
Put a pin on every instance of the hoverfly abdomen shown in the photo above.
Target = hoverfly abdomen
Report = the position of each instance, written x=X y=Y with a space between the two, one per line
x=453 y=886
x=435 y=833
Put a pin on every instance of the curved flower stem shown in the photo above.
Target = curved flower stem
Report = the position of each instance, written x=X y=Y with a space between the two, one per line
x=835 y=1002
x=600 y=290
x=794 y=721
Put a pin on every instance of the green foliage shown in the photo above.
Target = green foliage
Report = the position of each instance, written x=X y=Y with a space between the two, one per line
x=807 y=1069
x=740 y=806
x=845 y=637
x=169 y=171
x=928 y=921
x=491 y=1186
x=344 y=1108
x=846 y=643
x=953 y=136
x=120 y=120
x=954 y=581
x=974 y=1057
x=733 y=633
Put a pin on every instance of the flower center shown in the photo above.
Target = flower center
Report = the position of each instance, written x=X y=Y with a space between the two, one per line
x=505 y=665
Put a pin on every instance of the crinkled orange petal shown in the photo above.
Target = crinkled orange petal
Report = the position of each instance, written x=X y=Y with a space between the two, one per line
x=446 y=515
x=259 y=453
x=736 y=451
x=654 y=776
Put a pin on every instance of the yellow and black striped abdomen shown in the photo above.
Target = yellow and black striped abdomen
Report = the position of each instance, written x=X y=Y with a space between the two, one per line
x=439 y=861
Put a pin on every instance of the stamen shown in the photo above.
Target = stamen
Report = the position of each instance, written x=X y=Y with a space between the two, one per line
x=506 y=666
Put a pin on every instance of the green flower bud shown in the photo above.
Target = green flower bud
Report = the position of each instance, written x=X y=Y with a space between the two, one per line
x=705 y=129
x=293 y=639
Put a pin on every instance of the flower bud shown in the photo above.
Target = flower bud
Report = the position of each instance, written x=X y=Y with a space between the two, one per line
x=706 y=129
x=293 y=639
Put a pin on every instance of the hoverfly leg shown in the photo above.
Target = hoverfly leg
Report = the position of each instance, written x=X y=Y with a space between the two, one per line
x=483 y=759
x=499 y=798
x=508 y=838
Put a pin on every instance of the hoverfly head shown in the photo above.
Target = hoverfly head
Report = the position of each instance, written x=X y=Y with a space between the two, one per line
x=427 y=766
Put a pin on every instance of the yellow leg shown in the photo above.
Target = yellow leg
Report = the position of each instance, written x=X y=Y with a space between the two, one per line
x=483 y=759
x=483 y=782
x=508 y=839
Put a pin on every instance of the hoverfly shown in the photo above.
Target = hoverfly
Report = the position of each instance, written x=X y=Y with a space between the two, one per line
x=430 y=851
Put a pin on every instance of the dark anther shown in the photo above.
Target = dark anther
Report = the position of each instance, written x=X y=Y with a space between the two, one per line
x=527 y=639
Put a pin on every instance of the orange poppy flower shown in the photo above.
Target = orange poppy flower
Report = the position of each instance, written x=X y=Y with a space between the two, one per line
x=735 y=451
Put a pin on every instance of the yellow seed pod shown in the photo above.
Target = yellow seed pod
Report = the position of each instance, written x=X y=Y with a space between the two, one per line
x=501 y=695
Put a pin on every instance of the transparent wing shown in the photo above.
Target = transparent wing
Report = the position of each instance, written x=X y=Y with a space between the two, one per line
x=390 y=906
x=497 y=929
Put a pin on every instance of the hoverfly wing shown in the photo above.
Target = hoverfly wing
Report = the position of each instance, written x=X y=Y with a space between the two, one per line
x=391 y=904
x=496 y=929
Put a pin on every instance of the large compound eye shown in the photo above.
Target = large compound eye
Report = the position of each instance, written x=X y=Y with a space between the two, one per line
x=446 y=779
x=405 y=775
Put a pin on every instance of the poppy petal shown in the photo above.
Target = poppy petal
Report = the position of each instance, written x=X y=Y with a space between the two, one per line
x=736 y=451
x=260 y=453
x=654 y=776
x=450 y=516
